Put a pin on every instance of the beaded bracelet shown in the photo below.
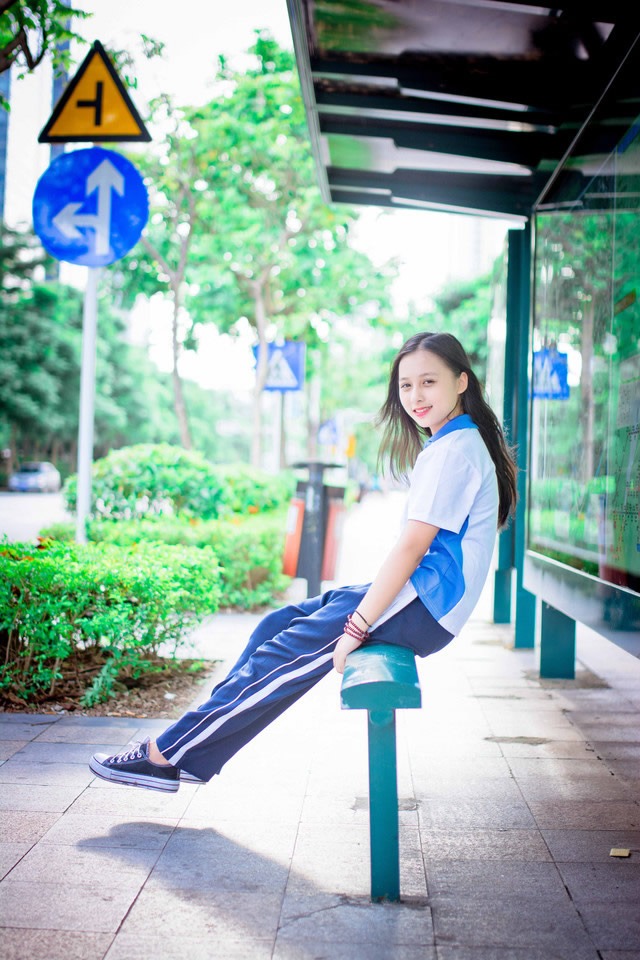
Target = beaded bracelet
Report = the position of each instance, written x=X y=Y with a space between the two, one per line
x=353 y=630
x=364 y=619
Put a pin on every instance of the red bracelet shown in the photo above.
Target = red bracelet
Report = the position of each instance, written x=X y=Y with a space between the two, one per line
x=353 y=630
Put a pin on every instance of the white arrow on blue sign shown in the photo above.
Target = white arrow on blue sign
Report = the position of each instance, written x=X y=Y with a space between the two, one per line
x=90 y=207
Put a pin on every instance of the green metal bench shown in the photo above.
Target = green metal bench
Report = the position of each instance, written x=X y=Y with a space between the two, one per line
x=382 y=678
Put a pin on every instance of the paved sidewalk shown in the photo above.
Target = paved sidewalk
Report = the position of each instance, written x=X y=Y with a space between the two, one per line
x=512 y=795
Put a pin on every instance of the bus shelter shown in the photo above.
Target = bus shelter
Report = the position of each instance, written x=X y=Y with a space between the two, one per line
x=530 y=113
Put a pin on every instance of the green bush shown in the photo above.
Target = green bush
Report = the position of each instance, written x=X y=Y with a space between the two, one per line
x=249 y=551
x=150 y=480
x=62 y=600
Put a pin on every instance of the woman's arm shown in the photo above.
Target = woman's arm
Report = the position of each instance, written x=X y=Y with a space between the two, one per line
x=413 y=543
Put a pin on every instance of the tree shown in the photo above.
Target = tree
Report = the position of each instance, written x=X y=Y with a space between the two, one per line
x=238 y=228
x=31 y=29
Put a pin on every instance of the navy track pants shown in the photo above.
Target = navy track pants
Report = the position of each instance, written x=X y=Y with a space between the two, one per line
x=288 y=652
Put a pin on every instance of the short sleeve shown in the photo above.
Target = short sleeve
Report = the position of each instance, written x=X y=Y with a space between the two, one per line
x=443 y=486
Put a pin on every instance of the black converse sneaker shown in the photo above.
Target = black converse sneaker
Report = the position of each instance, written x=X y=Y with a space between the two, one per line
x=132 y=766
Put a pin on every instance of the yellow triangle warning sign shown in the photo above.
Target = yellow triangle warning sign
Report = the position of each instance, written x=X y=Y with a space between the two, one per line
x=95 y=106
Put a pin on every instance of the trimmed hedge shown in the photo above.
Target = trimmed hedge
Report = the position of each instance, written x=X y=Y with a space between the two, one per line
x=249 y=551
x=62 y=599
x=150 y=480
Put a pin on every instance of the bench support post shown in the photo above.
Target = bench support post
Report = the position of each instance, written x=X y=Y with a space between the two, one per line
x=383 y=805
x=557 y=643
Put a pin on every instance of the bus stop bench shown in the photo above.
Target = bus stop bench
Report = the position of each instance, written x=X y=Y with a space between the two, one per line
x=382 y=678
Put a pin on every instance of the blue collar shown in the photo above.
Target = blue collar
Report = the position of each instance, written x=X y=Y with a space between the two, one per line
x=461 y=422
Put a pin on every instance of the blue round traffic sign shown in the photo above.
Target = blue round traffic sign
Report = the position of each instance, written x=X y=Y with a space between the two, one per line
x=90 y=207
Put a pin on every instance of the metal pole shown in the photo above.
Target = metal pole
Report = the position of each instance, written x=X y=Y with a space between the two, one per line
x=525 y=601
x=87 y=395
x=383 y=806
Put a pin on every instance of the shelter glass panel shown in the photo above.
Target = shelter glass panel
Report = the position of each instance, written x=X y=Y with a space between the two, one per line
x=584 y=484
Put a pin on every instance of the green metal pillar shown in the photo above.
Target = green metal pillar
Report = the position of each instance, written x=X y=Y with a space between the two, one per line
x=525 y=626
x=383 y=806
x=557 y=644
x=506 y=561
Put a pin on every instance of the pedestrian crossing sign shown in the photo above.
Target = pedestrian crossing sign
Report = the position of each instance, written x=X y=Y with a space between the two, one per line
x=95 y=106
x=285 y=366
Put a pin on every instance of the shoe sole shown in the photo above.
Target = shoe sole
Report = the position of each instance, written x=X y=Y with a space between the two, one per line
x=189 y=778
x=133 y=780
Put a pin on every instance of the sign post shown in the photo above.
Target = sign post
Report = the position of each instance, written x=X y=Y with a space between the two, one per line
x=87 y=401
x=89 y=208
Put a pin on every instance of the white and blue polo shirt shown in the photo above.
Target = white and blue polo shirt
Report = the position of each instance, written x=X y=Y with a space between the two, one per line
x=452 y=486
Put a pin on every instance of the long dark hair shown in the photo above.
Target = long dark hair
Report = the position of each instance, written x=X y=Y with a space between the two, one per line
x=403 y=439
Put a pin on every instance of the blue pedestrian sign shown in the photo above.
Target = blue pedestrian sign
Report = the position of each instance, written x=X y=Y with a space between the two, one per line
x=285 y=369
x=550 y=374
x=90 y=207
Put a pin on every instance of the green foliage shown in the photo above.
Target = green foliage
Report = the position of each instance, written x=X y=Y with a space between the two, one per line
x=124 y=602
x=30 y=29
x=249 y=551
x=149 y=480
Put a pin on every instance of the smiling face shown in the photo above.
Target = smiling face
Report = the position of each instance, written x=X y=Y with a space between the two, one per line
x=429 y=390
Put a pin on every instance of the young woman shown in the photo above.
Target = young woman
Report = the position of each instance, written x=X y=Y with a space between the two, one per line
x=462 y=489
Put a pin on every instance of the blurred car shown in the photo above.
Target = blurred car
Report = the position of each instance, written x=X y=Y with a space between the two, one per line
x=39 y=475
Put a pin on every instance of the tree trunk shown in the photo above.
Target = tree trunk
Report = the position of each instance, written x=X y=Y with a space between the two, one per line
x=261 y=375
x=283 y=432
x=586 y=389
x=178 y=395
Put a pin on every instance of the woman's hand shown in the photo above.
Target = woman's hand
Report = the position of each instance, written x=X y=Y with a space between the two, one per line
x=345 y=645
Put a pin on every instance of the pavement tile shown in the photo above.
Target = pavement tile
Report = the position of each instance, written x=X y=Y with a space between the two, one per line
x=133 y=947
x=454 y=790
x=10 y=854
x=308 y=948
x=62 y=906
x=45 y=774
x=611 y=882
x=453 y=767
x=330 y=811
x=504 y=953
x=620 y=954
x=569 y=815
x=10 y=747
x=23 y=729
x=585 y=846
x=48 y=862
x=589 y=718
x=121 y=801
x=116 y=735
x=98 y=831
x=577 y=788
x=52 y=945
x=17 y=826
x=617 y=929
x=494 y=880
x=616 y=750
x=627 y=769
x=616 y=732
x=45 y=752
x=331 y=918
x=550 y=750
x=205 y=860
x=475 y=814
x=331 y=866
x=231 y=914
x=569 y=768
x=520 y=845
x=275 y=805
x=548 y=925
x=25 y=797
